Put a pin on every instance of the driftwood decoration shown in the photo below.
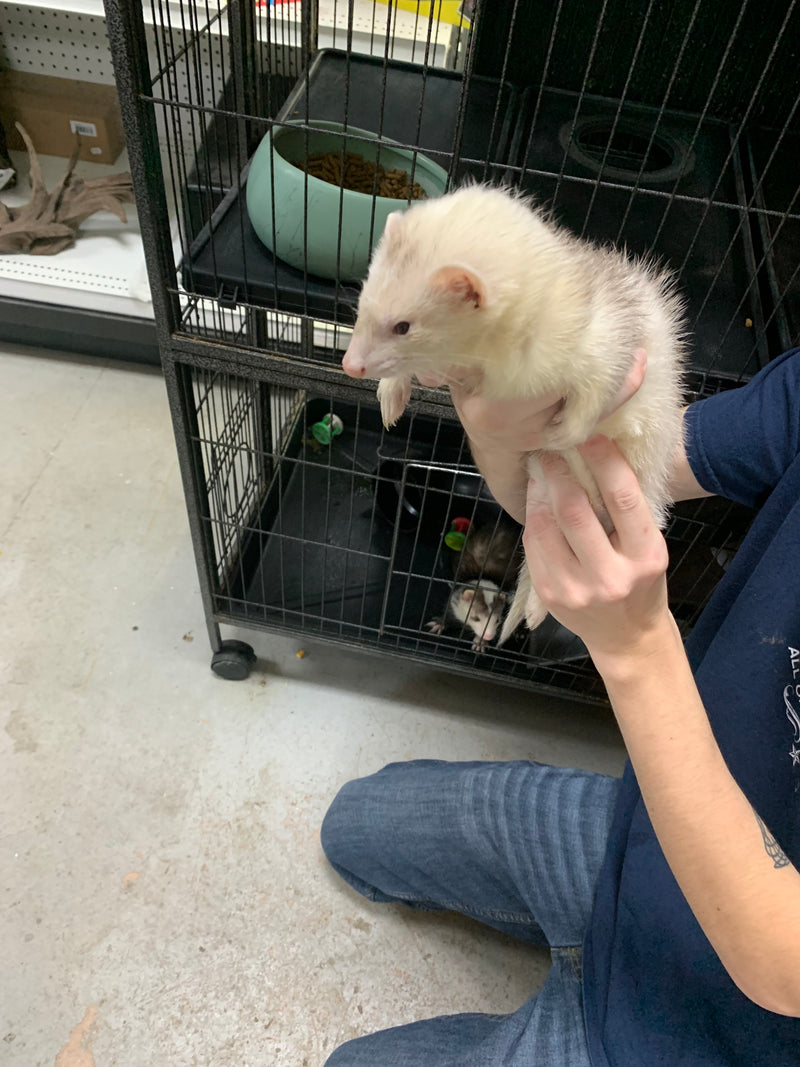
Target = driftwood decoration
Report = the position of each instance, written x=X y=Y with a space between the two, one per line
x=49 y=221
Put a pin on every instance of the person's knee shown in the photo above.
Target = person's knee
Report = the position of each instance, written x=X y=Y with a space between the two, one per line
x=345 y=1056
x=337 y=825
x=349 y=821
x=364 y=810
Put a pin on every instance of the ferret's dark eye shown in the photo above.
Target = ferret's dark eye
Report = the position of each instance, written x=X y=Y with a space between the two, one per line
x=402 y=327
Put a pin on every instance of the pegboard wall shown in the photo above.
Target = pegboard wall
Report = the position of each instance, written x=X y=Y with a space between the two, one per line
x=59 y=43
x=193 y=56
x=67 y=44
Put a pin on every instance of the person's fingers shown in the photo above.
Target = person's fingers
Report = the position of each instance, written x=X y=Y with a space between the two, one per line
x=634 y=525
x=545 y=544
x=579 y=525
x=517 y=422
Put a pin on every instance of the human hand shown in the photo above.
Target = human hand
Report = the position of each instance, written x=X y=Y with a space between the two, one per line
x=609 y=590
x=503 y=432
x=517 y=427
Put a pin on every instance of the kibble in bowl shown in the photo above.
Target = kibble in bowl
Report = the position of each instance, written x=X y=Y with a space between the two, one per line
x=296 y=177
x=351 y=171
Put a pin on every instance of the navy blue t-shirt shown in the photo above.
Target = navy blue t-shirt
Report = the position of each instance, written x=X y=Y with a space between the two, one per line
x=655 y=990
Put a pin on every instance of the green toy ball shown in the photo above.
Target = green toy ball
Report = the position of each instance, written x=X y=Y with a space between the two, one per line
x=328 y=427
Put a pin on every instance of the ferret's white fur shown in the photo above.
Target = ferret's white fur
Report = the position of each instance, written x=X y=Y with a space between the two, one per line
x=486 y=281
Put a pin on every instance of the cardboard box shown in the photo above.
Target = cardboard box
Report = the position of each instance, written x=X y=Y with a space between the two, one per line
x=56 y=110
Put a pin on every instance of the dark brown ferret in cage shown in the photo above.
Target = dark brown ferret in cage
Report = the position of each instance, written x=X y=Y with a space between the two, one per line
x=492 y=551
x=484 y=570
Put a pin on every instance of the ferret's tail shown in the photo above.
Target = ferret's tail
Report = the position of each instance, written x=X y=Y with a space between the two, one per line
x=525 y=605
x=516 y=609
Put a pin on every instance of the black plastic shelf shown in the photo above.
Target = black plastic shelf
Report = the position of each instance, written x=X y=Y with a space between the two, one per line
x=223 y=152
x=647 y=213
x=418 y=106
x=348 y=544
x=331 y=517
x=776 y=181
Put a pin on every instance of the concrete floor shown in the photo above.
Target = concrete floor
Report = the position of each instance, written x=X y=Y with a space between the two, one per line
x=164 y=897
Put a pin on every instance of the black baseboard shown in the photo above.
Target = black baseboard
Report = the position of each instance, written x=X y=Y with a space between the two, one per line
x=89 y=333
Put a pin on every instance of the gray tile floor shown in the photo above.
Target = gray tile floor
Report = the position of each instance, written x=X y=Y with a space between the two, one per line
x=164 y=897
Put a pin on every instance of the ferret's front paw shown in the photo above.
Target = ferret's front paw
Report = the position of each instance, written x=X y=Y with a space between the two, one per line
x=478 y=645
x=535 y=611
x=435 y=626
x=393 y=394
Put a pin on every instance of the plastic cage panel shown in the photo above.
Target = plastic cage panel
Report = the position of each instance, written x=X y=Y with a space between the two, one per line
x=775 y=178
x=672 y=129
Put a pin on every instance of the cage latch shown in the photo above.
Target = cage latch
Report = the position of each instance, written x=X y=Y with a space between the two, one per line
x=228 y=296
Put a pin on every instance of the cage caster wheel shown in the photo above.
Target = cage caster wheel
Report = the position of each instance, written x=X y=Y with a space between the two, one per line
x=234 y=661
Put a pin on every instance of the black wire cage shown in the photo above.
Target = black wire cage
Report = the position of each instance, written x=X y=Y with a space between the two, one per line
x=669 y=128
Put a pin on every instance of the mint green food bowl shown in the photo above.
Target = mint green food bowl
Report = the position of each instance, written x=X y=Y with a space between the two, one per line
x=273 y=172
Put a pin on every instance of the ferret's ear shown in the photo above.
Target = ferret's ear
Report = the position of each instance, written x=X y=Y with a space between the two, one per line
x=468 y=595
x=392 y=225
x=461 y=283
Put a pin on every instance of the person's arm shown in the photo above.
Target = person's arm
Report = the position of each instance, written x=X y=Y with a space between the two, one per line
x=612 y=593
x=683 y=485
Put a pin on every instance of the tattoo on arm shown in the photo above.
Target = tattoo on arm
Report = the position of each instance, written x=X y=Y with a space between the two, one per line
x=771 y=846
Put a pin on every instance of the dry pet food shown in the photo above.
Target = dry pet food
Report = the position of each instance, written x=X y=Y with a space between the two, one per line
x=362 y=176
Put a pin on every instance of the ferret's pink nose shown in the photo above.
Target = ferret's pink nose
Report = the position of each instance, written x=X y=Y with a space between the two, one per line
x=353 y=365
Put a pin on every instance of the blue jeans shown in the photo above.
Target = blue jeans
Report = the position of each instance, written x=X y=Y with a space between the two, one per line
x=515 y=845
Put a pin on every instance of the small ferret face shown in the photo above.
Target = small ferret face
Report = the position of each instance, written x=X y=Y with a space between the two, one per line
x=415 y=325
x=413 y=314
x=483 y=608
x=381 y=347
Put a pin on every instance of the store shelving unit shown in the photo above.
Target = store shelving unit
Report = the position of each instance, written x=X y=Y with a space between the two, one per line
x=92 y=298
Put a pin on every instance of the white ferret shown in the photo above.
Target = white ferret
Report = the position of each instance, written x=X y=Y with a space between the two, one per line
x=481 y=279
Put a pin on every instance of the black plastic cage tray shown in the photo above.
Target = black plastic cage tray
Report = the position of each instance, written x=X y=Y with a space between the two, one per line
x=346 y=541
x=655 y=182
x=776 y=182
x=222 y=153
x=414 y=105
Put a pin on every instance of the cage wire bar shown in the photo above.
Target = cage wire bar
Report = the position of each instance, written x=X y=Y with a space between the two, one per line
x=670 y=128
